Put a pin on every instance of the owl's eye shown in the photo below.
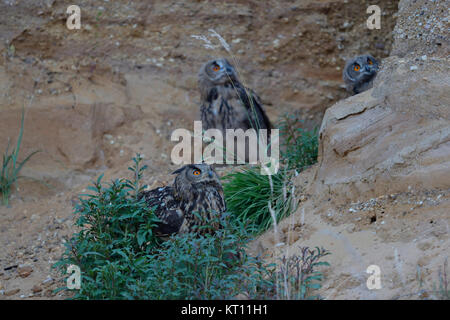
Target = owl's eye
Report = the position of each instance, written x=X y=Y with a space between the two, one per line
x=216 y=67
x=196 y=172
x=369 y=61
x=356 y=67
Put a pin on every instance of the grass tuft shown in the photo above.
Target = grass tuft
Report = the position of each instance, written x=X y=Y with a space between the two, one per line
x=11 y=167
x=250 y=197
x=299 y=146
x=443 y=290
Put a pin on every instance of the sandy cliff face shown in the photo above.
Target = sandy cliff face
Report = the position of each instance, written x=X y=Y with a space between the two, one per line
x=396 y=135
x=380 y=191
x=141 y=54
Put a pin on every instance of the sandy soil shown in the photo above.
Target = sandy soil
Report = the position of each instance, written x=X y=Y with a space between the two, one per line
x=405 y=234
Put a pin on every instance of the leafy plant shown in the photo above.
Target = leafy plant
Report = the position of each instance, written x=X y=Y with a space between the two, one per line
x=116 y=234
x=299 y=146
x=298 y=276
x=211 y=266
x=120 y=257
x=11 y=167
x=250 y=197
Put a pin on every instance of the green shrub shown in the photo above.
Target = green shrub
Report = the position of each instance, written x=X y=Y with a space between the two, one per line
x=11 y=167
x=211 y=266
x=120 y=257
x=248 y=194
x=115 y=235
x=299 y=147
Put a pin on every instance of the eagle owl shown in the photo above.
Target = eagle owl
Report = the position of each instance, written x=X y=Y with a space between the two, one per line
x=225 y=102
x=194 y=197
x=359 y=73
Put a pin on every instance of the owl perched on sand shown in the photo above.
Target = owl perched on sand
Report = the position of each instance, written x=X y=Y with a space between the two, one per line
x=196 y=188
x=359 y=73
x=225 y=102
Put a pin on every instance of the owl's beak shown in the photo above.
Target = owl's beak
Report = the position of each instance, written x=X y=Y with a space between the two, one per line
x=229 y=71
x=210 y=173
x=369 y=69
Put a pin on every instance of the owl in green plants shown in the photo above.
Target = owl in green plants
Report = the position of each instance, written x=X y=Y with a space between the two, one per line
x=194 y=197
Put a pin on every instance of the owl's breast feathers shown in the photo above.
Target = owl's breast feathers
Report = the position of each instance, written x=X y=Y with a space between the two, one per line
x=207 y=200
x=176 y=211
x=232 y=107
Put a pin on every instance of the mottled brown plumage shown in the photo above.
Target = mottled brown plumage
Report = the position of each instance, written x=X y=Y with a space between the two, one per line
x=196 y=188
x=225 y=102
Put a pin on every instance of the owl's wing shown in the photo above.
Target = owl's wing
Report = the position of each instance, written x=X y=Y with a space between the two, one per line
x=257 y=118
x=166 y=208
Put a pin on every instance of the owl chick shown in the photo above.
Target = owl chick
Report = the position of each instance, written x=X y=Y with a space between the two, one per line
x=225 y=102
x=196 y=189
x=359 y=73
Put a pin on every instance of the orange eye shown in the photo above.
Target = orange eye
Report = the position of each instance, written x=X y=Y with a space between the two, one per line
x=216 y=67
x=369 y=61
x=356 y=67
x=196 y=172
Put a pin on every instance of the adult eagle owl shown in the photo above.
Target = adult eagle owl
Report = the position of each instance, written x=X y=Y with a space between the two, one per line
x=196 y=189
x=359 y=73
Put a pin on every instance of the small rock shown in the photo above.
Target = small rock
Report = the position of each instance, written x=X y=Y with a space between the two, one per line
x=12 y=292
x=47 y=281
x=24 y=271
x=36 y=289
